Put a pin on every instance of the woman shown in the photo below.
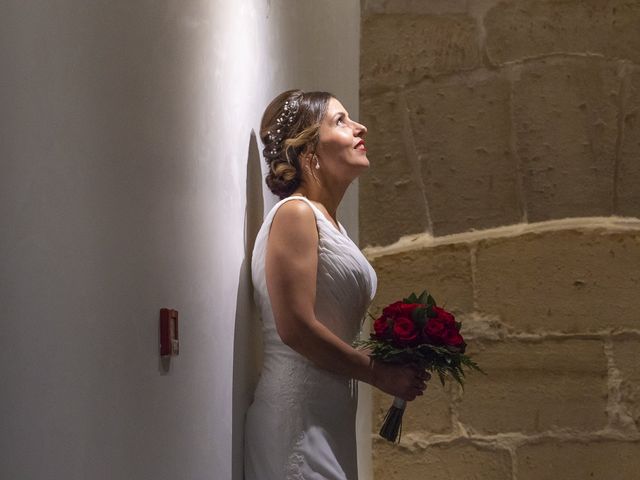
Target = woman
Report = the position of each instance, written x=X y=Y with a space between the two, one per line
x=312 y=285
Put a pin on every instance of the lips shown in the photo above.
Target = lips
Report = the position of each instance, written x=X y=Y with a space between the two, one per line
x=360 y=144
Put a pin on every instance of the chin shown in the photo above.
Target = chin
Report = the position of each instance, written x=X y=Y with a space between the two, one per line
x=361 y=167
x=360 y=159
x=365 y=162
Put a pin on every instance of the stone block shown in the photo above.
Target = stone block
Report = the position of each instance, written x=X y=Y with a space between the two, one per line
x=627 y=360
x=535 y=387
x=414 y=6
x=563 y=280
x=462 y=130
x=604 y=460
x=522 y=29
x=444 y=270
x=440 y=462
x=430 y=413
x=399 y=49
x=391 y=199
x=565 y=122
x=628 y=181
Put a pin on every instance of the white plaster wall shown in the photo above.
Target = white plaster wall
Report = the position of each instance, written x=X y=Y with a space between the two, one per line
x=125 y=186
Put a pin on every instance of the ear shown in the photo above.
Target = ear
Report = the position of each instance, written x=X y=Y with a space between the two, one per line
x=306 y=156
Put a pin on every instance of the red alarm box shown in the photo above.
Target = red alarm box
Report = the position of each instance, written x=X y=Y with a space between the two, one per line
x=169 y=344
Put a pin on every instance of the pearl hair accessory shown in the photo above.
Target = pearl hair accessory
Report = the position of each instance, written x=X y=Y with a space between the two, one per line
x=284 y=120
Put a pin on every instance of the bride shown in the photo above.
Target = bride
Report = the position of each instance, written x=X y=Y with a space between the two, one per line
x=313 y=286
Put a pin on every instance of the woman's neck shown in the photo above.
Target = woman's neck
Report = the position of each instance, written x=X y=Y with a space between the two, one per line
x=330 y=198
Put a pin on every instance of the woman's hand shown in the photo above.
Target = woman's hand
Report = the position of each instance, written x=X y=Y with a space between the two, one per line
x=402 y=381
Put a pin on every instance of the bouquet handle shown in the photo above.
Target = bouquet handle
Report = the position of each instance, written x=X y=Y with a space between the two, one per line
x=392 y=426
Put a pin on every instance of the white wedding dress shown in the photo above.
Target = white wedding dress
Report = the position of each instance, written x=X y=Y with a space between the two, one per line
x=301 y=424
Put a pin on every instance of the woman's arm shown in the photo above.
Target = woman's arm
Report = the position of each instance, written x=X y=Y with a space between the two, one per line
x=291 y=269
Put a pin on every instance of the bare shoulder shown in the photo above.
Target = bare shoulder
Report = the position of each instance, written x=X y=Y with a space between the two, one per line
x=294 y=222
x=295 y=210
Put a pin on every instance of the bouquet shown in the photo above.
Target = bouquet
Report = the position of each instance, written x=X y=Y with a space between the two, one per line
x=417 y=331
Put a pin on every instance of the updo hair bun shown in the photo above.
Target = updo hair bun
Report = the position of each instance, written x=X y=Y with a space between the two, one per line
x=290 y=125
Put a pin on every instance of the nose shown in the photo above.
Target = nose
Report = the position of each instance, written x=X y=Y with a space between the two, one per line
x=361 y=130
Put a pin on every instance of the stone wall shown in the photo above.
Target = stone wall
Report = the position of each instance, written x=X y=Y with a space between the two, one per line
x=504 y=140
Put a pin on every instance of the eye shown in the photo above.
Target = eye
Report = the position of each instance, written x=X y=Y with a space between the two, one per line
x=340 y=120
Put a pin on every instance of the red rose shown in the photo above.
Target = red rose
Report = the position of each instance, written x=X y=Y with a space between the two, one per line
x=381 y=327
x=399 y=309
x=453 y=338
x=442 y=329
x=404 y=330
x=446 y=317
x=392 y=310
x=407 y=308
x=435 y=329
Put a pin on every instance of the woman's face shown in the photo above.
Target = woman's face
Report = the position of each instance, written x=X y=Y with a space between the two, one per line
x=340 y=150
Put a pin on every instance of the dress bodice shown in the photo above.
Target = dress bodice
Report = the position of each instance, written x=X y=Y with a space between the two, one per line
x=345 y=286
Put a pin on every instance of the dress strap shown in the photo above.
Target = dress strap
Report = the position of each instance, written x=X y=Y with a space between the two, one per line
x=300 y=197
x=320 y=216
x=315 y=209
x=316 y=212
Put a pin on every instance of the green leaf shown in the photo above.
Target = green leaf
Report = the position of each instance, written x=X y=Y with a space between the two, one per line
x=471 y=364
x=435 y=358
x=431 y=301
x=424 y=296
x=456 y=376
x=411 y=299
x=419 y=316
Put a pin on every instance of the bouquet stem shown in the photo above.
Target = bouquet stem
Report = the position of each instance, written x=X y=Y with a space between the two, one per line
x=392 y=425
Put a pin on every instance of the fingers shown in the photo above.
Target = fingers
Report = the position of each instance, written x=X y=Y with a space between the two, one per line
x=416 y=389
x=420 y=373
x=409 y=396
x=406 y=382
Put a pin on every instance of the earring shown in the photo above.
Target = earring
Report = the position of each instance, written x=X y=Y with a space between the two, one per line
x=317 y=162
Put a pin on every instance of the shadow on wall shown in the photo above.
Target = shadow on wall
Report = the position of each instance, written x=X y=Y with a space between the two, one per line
x=247 y=348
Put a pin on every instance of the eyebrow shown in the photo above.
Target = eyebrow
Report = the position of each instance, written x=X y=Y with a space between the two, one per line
x=339 y=113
